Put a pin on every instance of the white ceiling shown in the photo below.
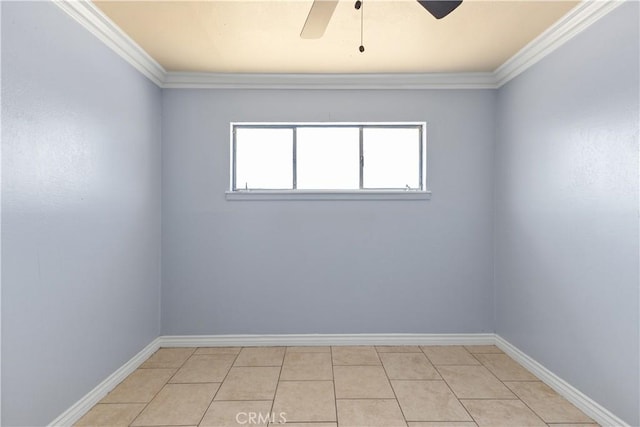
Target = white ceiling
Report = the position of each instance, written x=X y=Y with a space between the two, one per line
x=228 y=36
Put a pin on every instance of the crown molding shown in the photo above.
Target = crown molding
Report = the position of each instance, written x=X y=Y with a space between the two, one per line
x=98 y=24
x=575 y=21
x=330 y=81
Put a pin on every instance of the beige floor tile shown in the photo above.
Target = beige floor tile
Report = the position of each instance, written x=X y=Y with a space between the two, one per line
x=482 y=349
x=168 y=358
x=548 y=404
x=355 y=355
x=249 y=383
x=442 y=424
x=260 y=356
x=218 y=350
x=307 y=366
x=234 y=414
x=361 y=382
x=178 y=404
x=305 y=393
x=370 y=413
x=398 y=349
x=573 y=425
x=304 y=424
x=408 y=366
x=112 y=414
x=474 y=382
x=498 y=413
x=204 y=369
x=449 y=355
x=309 y=349
x=140 y=386
x=505 y=368
x=305 y=401
x=428 y=401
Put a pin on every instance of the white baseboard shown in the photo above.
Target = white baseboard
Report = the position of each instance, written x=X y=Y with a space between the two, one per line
x=82 y=406
x=583 y=402
x=324 y=339
x=594 y=410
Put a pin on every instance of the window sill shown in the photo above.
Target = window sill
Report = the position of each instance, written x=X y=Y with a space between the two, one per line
x=327 y=195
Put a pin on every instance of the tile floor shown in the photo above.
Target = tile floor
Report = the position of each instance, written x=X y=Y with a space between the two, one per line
x=411 y=386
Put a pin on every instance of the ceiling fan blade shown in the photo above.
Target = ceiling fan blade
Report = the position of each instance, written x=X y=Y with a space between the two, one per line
x=439 y=8
x=318 y=18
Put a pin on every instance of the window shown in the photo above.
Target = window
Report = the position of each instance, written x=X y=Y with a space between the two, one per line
x=328 y=160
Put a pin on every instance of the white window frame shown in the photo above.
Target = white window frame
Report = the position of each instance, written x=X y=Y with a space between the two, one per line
x=422 y=193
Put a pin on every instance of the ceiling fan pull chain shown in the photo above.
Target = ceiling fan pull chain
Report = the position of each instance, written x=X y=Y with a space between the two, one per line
x=360 y=6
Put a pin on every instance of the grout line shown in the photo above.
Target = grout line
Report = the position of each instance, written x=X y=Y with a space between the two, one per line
x=361 y=365
x=172 y=425
x=511 y=391
x=369 y=398
x=393 y=390
x=474 y=356
x=333 y=380
x=456 y=396
x=164 y=385
x=180 y=367
x=120 y=403
x=219 y=387
x=525 y=403
x=482 y=352
x=489 y=398
x=457 y=364
x=275 y=392
x=196 y=383
x=573 y=423
x=507 y=381
x=257 y=366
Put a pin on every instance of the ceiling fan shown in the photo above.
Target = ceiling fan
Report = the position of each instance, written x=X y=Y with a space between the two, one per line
x=321 y=11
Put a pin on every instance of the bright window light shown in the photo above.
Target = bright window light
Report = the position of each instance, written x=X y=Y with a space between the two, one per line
x=349 y=158
x=391 y=158
x=263 y=158
x=328 y=158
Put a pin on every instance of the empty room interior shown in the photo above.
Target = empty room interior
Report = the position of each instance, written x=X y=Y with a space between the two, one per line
x=320 y=213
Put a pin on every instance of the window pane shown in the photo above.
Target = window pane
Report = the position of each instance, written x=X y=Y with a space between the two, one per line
x=264 y=158
x=328 y=158
x=391 y=158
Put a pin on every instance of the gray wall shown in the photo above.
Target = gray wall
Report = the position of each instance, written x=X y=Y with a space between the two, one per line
x=234 y=267
x=80 y=212
x=567 y=212
x=81 y=216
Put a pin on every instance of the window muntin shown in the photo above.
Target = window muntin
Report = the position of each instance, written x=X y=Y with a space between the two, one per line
x=328 y=157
